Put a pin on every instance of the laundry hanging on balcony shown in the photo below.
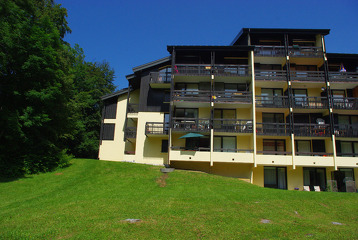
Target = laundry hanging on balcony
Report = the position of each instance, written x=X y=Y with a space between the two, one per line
x=192 y=135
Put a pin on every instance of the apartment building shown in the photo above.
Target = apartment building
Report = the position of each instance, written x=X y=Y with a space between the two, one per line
x=272 y=108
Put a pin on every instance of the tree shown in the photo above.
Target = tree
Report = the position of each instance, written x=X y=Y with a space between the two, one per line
x=90 y=82
x=34 y=87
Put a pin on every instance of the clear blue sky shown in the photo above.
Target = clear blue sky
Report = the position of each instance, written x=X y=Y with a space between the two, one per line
x=131 y=33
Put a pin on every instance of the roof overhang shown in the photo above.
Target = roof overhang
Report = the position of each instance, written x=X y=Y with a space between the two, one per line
x=151 y=64
x=115 y=94
x=209 y=48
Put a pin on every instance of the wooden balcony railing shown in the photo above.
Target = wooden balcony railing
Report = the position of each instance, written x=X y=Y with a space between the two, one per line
x=303 y=51
x=311 y=130
x=270 y=51
x=343 y=76
x=232 y=97
x=271 y=75
x=273 y=129
x=346 y=130
x=272 y=101
x=345 y=103
x=307 y=76
x=160 y=77
x=232 y=70
x=132 y=108
x=192 y=69
x=273 y=152
x=232 y=125
x=130 y=132
x=310 y=102
x=191 y=124
x=191 y=95
x=156 y=128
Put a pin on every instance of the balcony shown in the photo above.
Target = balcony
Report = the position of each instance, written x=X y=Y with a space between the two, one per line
x=307 y=76
x=273 y=129
x=345 y=103
x=310 y=102
x=316 y=154
x=311 y=130
x=346 y=130
x=191 y=124
x=270 y=51
x=192 y=70
x=130 y=132
x=303 y=51
x=191 y=95
x=156 y=128
x=232 y=125
x=343 y=76
x=232 y=97
x=232 y=70
x=270 y=75
x=160 y=79
x=132 y=108
x=272 y=101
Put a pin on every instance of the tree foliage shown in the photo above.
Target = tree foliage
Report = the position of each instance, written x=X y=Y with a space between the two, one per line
x=49 y=95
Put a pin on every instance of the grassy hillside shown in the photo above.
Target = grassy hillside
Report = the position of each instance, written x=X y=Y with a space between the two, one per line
x=90 y=199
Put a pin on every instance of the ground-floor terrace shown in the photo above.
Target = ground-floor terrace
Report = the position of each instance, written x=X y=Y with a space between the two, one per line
x=281 y=177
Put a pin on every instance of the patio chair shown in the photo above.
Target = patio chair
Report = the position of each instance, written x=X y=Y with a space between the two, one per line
x=306 y=188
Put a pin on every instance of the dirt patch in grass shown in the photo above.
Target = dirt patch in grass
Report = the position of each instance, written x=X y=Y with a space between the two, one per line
x=59 y=173
x=162 y=180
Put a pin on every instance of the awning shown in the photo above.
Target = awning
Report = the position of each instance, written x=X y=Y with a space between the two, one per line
x=192 y=135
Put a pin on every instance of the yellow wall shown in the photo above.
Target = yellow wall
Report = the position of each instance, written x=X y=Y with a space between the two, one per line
x=134 y=96
x=114 y=150
x=314 y=92
x=204 y=112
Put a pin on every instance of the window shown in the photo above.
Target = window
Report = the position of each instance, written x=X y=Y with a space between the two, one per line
x=314 y=177
x=187 y=112
x=108 y=131
x=164 y=146
x=347 y=148
x=110 y=108
x=300 y=97
x=275 y=177
x=274 y=145
x=303 y=146
x=224 y=144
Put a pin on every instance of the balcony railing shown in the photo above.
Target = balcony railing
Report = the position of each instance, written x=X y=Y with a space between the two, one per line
x=192 y=69
x=272 y=101
x=130 y=132
x=274 y=152
x=232 y=70
x=270 y=51
x=346 y=130
x=201 y=149
x=311 y=130
x=307 y=76
x=321 y=154
x=273 y=129
x=160 y=77
x=271 y=75
x=232 y=125
x=347 y=154
x=310 y=102
x=345 y=103
x=191 y=95
x=233 y=150
x=232 y=97
x=191 y=124
x=132 y=108
x=343 y=76
x=303 y=51
x=156 y=128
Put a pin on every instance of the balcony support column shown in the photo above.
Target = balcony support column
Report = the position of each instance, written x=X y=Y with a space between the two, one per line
x=253 y=105
x=293 y=150
x=211 y=146
x=334 y=152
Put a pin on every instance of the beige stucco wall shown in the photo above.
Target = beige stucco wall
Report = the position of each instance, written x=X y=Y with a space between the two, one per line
x=114 y=150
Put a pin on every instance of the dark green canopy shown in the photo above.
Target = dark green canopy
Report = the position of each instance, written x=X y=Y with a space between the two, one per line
x=191 y=135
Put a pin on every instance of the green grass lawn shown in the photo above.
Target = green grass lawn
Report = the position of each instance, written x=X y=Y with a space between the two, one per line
x=91 y=198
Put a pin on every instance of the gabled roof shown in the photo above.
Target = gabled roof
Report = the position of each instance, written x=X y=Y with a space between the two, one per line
x=245 y=31
x=151 y=64
x=115 y=94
